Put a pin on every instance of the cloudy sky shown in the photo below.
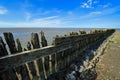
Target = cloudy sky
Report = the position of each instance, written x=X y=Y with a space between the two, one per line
x=60 y=13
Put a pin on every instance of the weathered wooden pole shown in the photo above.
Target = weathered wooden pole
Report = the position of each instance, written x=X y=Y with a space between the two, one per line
x=53 y=63
x=31 y=65
x=10 y=41
x=47 y=58
x=82 y=32
x=3 y=50
x=9 y=74
x=35 y=44
x=35 y=40
x=22 y=70
x=43 y=39
x=28 y=46
x=19 y=47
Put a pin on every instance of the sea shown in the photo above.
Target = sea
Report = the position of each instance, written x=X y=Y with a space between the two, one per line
x=24 y=34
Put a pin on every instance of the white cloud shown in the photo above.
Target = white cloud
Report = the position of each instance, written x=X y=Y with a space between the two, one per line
x=46 y=18
x=92 y=14
x=95 y=2
x=38 y=22
x=3 y=10
x=106 y=5
x=110 y=10
x=87 y=4
x=95 y=13
x=103 y=12
x=70 y=12
x=27 y=16
x=26 y=4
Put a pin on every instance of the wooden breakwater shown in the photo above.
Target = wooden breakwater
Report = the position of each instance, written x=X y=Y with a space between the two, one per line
x=39 y=63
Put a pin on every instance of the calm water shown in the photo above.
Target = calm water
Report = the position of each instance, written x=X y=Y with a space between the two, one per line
x=24 y=34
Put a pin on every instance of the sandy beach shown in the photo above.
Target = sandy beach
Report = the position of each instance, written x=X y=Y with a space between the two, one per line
x=108 y=68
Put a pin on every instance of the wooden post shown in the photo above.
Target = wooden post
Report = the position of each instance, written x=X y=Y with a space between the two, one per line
x=22 y=70
x=35 y=40
x=10 y=41
x=47 y=66
x=9 y=74
x=3 y=50
x=35 y=43
x=19 y=47
x=66 y=58
x=82 y=32
x=58 y=57
x=41 y=69
x=53 y=62
x=25 y=49
x=43 y=39
x=33 y=71
x=47 y=58
x=69 y=56
x=31 y=65
x=29 y=45
x=60 y=60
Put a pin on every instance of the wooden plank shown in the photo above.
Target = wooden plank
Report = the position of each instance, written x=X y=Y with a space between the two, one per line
x=60 y=60
x=53 y=63
x=72 y=54
x=70 y=39
x=47 y=66
x=28 y=56
x=57 y=62
x=32 y=68
x=68 y=56
x=41 y=69
x=8 y=75
x=66 y=53
x=23 y=71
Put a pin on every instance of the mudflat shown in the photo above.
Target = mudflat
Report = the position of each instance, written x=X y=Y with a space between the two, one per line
x=108 y=68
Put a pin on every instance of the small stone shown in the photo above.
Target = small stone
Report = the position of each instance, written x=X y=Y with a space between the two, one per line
x=73 y=67
x=70 y=77
x=81 y=69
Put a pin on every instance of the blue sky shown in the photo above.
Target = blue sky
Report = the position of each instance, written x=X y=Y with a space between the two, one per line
x=60 y=13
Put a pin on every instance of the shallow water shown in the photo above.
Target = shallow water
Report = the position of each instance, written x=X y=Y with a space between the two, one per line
x=24 y=34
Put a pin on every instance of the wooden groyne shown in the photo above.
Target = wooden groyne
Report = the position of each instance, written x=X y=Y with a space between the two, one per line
x=39 y=61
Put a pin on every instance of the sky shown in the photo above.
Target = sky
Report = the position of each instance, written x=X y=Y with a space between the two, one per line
x=60 y=13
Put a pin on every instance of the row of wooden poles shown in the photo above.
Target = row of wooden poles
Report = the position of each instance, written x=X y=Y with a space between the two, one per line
x=42 y=67
x=15 y=49
x=22 y=70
